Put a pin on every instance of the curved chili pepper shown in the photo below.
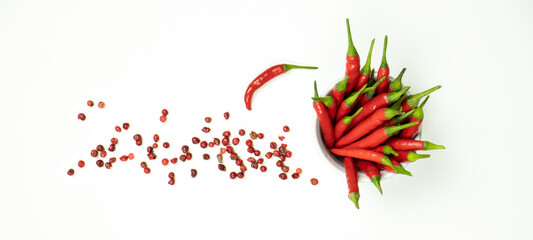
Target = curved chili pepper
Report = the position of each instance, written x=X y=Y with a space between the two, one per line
x=410 y=156
x=412 y=101
x=365 y=71
x=418 y=116
x=398 y=168
x=346 y=106
x=353 y=62
x=384 y=70
x=382 y=100
x=266 y=76
x=402 y=144
x=339 y=90
x=371 y=172
x=386 y=149
x=325 y=121
x=396 y=84
x=366 y=126
x=370 y=94
x=363 y=154
x=351 y=178
x=379 y=136
x=341 y=126
x=330 y=104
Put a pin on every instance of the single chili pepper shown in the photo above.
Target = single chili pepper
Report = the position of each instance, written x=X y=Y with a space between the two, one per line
x=266 y=76
x=365 y=71
x=398 y=167
x=341 y=126
x=351 y=178
x=396 y=84
x=386 y=149
x=330 y=104
x=402 y=144
x=371 y=171
x=370 y=94
x=366 y=126
x=346 y=106
x=410 y=156
x=338 y=91
x=418 y=116
x=353 y=62
x=363 y=154
x=324 y=120
x=384 y=70
x=413 y=100
x=382 y=100
x=379 y=136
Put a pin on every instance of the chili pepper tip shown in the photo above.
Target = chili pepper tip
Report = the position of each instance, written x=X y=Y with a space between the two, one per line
x=376 y=181
x=355 y=198
x=413 y=100
x=316 y=91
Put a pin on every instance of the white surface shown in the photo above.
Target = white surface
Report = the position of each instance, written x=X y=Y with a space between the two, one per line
x=196 y=58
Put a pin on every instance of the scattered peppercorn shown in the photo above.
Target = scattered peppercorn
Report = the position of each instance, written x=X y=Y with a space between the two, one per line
x=144 y=165
x=295 y=175
x=90 y=103
x=114 y=141
x=193 y=172
x=260 y=135
x=166 y=144
x=240 y=174
x=195 y=140
x=81 y=116
x=171 y=175
x=108 y=165
x=208 y=119
x=285 y=169
x=221 y=167
x=299 y=170
x=81 y=163
x=235 y=141
x=118 y=129
x=206 y=156
x=283 y=176
x=163 y=118
x=286 y=128
x=203 y=144
x=147 y=170
x=233 y=175
x=263 y=168
x=94 y=153
x=172 y=181
x=253 y=135
x=226 y=115
x=164 y=161
x=101 y=104
x=99 y=148
x=314 y=181
x=156 y=138
x=206 y=129
x=126 y=126
x=112 y=160
x=100 y=163
x=70 y=172
x=111 y=148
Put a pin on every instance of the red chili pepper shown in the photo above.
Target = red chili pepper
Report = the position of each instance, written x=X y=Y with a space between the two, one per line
x=382 y=100
x=352 y=62
x=346 y=106
x=324 y=120
x=379 y=136
x=363 y=154
x=410 y=156
x=402 y=144
x=386 y=149
x=366 y=126
x=371 y=172
x=351 y=178
x=396 y=84
x=341 y=126
x=365 y=71
x=370 y=94
x=330 y=104
x=384 y=69
x=398 y=167
x=338 y=91
x=418 y=116
x=266 y=76
x=412 y=101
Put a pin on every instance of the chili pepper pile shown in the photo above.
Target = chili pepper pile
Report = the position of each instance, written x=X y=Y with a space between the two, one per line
x=371 y=123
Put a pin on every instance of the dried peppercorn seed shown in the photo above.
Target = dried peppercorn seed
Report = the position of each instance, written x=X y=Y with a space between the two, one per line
x=171 y=175
x=222 y=150
x=139 y=143
x=164 y=112
x=114 y=141
x=183 y=157
x=257 y=152
x=233 y=175
x=118 y=129
x=206 y=156
x=94 y=153
x=90 y=103
x=255 y=165
x=82 y=116
x=174 y=160
x=103 y=154
x=276 y=153
x=225 y=141
x=229 y=149
x=156 y=138
x=284 y=145
x=263 y=168
x=172 y=181
x=144 y=165
x=314 y=181
x=268 y=155
x=253 y=135
x=234 y=156
x=211 y=144
x=194 y=172
x=155 y=145
x=164 y=161
x=137 y=137
x=288 y=154
x=221 y=167
x=219 y=157
x=282 y=157
x=163 y=118
x=188 y=156
x=124 y=158
x=283 y=176
x=226 y=134
x=206 y=129
x=226 y=115
x=112 y=160
x=260 y=160
x=208 y=119
x=101 y=104
x=243 y=168
x=108 y=165
x=195 y=140
x=126 y=126
x=281 y=138
x=184 y=148
x=216 y=141
x=111 y=148
x=279 y=163
x=70 y=172
x=249 y=143
x=282 y=149
x=285 y=169
x=235 y=141
x=242 y=132
x=99 y=148
x=81 y=163
x=147 y=170
x=250 y=149
x=260 y=135
x=295 y=175
x=273 y=145
x=166 y=144
x=238 y=162
x=286 y=128
x=203 y=144
x=100 y=163
x=152 y=156
x=150 y=149
x=240 y=174
x=299 y=170
x=251 y=159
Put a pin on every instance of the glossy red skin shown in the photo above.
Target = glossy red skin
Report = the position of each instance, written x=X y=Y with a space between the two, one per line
x=402 y=156
x=371 y=141
x=368 y=168
x=363 y=100
x=405 y=107
x=339 y=129
x=378 y=102
x=366 y=126
x=383 y=86
x=353 y=65
x=325 y=123
x=364 y=154
x=361 y=81
x=402 y=144
x=410 y=132
x=332 y=110
x=337 y=96
x=259 y=81
x=343 y=110
x=351 y=175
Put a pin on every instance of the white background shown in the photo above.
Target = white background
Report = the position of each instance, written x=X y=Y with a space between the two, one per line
x=196 y=58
